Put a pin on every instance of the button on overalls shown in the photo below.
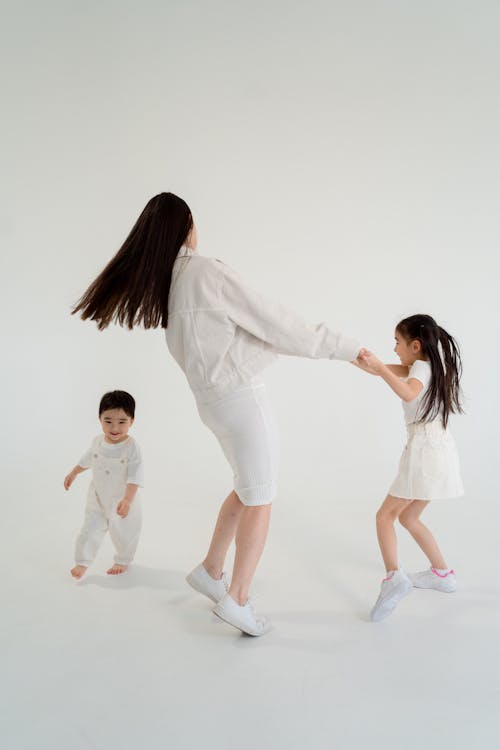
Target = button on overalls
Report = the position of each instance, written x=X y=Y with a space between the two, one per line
x=107 y=488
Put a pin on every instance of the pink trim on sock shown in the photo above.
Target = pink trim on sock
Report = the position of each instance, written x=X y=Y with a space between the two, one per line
x=389 y=578
x=440 y=575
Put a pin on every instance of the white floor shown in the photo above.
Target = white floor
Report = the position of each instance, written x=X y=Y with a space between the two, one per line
x=141 y=660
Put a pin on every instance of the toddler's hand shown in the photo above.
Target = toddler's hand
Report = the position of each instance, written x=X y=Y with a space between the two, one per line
x=123 y=508
x=68 y=481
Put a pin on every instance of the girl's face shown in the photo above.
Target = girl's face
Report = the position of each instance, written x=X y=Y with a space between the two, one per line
x=115 y=425
x=407 y=351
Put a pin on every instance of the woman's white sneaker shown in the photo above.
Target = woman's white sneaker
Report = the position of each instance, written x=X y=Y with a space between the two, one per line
x=440 y=580
x=241 y=617
x=395 y=587
x=202 y=582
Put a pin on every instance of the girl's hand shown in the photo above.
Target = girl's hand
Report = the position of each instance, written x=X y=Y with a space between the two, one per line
x=369 y=362
x=361 y=362
x=358 y=362
x=68 y=481
x=123 y=508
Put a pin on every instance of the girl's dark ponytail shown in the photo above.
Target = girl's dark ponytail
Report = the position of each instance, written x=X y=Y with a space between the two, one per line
x=453 y=371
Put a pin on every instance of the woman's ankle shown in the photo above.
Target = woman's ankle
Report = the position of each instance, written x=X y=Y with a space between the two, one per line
x=239 y=595
x=214 y=571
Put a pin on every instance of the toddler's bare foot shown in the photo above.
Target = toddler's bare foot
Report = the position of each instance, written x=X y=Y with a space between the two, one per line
x=116 y=569
x=78 y=571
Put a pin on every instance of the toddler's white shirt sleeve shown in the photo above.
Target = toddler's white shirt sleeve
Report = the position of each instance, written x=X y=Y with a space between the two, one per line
x=281 y=328
x=135 y=467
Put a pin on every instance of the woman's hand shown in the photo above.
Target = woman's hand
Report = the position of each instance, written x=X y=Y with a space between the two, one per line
x=123 y=508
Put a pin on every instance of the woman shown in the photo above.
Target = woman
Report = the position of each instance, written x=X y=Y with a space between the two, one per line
x=222 y=333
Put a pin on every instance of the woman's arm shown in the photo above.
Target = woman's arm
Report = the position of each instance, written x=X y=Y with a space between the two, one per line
x=281 y=328
x=406 y=391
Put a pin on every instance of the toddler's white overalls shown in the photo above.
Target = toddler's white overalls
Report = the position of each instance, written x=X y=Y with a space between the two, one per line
x=107 y=488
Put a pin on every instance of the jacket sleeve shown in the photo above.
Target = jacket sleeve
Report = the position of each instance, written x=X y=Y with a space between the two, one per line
x=280 y=327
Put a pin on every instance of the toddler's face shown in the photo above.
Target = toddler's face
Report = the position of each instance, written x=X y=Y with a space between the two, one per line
x=407 y=351
x=115 y=425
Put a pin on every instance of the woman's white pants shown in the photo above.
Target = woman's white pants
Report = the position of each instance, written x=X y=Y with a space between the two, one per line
x=244 y=425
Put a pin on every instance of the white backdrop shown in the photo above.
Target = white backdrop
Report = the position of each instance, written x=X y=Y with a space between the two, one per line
x=342 y=155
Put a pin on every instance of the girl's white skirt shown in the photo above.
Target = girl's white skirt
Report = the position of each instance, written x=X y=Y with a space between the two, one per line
x=243 y=422
x=429 y=468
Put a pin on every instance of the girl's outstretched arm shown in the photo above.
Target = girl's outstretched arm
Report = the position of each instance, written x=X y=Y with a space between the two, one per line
x=400 y=370
x=406 y=391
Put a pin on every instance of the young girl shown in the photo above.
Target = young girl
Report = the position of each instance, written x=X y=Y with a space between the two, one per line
x=428 y=382
x=112 y=501
x=222 y=333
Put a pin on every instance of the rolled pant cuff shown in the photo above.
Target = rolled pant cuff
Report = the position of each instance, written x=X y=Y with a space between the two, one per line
x=262 y=494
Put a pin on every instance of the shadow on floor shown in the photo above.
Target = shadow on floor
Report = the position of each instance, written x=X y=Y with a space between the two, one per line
x=138 y=576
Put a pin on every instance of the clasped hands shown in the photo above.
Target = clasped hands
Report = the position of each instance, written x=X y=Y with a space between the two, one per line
x=368 y=362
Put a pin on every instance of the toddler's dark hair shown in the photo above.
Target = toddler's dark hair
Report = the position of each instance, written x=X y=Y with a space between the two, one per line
x=118 y=400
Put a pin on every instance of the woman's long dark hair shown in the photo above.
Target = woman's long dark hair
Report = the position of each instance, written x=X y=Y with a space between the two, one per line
x=441 y=349
x=133 y=288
